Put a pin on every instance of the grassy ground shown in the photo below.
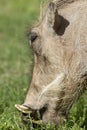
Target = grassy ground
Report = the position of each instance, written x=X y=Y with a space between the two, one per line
x=15 y=67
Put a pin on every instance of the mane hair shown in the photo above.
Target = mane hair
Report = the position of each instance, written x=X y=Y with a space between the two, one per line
x=62 y=3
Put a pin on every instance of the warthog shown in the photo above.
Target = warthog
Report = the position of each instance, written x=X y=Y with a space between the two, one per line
x=59 y=43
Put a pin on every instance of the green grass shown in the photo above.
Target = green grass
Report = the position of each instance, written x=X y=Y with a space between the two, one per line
x=16 y=63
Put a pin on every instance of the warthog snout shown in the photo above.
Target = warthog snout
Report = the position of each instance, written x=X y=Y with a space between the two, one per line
x=28 y=114
x=59 y=43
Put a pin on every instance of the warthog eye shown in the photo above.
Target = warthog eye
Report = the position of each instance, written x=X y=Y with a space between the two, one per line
x=32 y=36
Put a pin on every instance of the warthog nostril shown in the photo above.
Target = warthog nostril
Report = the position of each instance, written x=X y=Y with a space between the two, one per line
x=32 y=36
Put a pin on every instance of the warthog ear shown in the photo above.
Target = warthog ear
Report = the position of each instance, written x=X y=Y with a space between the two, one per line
x=52 y=19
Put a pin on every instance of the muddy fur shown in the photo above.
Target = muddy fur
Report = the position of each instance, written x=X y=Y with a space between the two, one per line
x=60 y=54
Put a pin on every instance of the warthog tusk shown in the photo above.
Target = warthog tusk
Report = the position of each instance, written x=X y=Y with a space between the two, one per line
x=23 y=109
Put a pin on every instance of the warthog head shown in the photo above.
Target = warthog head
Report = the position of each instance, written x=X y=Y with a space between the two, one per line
x=59 y=43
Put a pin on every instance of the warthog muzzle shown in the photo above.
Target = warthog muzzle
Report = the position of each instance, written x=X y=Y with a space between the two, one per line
x=33 y=116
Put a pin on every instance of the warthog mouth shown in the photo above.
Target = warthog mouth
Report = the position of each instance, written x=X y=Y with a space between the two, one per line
x=32 y=116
